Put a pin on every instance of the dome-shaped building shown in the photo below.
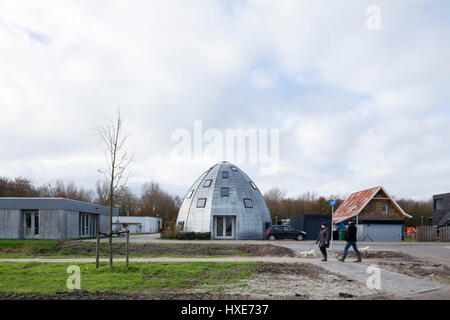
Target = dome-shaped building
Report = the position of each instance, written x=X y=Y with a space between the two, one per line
x=227 y=203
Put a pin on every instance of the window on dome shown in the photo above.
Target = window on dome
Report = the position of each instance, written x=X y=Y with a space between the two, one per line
x=201 y=203
x=248 y=203
x=207 y=183
x=225 y=192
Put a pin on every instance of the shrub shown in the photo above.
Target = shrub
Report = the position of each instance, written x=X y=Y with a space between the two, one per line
x=186 y=235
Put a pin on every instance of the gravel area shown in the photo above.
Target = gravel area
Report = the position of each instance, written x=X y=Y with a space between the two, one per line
x=301 y=281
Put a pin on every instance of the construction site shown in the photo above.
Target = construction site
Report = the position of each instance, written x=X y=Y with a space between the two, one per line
x=248 y=270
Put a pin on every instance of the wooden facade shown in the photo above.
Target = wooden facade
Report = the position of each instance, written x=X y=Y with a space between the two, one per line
x=379 y=217
x=374 y=209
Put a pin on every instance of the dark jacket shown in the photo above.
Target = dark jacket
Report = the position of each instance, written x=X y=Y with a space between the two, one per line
x=324 y=238
x=350 y=236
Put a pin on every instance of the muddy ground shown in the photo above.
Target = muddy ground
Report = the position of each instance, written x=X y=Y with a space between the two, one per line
x=207 y=249
x=299 y=281
x=83 y=249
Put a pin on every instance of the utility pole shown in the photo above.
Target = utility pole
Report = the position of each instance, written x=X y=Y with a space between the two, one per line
x=332 y=204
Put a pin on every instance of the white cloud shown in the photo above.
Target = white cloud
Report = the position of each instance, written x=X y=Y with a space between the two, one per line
x=355 y=106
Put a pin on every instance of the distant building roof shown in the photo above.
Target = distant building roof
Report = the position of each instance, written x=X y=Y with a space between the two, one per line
x=19 y=203
x=358 y=201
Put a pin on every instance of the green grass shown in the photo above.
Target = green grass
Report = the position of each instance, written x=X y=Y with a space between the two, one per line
x=26 y=248
x=49 y=278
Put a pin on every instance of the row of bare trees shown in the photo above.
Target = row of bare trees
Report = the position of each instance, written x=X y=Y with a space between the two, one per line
x=23 y=187
x=281 y=207
x=153 y=201
x=309 y=202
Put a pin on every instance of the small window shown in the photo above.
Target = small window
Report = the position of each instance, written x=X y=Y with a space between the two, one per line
x=234 y=168
x=438 y=204
x=201 y=203
x=385 y=208
x=253 y=185
x=180 y=224
x=28 y=220
x=207 y=183
x=36 y=224
x=224 y=174
x=225 y=192
x=190 y=193
x=248 y=203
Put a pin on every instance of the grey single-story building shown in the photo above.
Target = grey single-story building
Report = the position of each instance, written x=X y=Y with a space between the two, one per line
x=51 y=218
x=441 y=210
x=138 y=224
x=310 y=223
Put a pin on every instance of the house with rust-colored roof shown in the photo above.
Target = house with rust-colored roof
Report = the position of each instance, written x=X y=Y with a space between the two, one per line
x=378 y=215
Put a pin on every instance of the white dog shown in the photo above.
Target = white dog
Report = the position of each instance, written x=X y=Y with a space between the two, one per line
x=308 y=254
x=365 y=250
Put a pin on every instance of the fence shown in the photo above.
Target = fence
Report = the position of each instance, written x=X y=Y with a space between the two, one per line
x=427 y=233
x=445 y=234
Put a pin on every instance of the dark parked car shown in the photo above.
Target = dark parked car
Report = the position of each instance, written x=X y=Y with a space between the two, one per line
x=284 y=232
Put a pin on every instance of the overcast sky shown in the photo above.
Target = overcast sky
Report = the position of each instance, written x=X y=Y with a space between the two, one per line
x=356 y=107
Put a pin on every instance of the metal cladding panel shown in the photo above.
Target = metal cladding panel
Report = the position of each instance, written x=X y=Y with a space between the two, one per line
x=148 y=224
x=440 y=215
x=49 y=224
x=188 y=201
x=70 y=228
x=380 y=232
x=310 y=223
x=103 y=225
x=250 y=222
x=54 y=204
x=10 y=224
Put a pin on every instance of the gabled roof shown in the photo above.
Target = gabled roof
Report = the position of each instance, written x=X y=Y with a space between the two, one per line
x=358 y=201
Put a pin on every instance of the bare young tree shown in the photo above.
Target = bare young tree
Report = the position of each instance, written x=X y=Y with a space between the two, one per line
x=117 y=161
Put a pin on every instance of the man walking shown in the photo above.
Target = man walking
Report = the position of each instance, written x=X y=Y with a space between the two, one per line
x=324 y=240
x=350 y=237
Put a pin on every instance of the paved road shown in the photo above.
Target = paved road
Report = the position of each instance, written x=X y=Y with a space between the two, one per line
x=435 y=252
